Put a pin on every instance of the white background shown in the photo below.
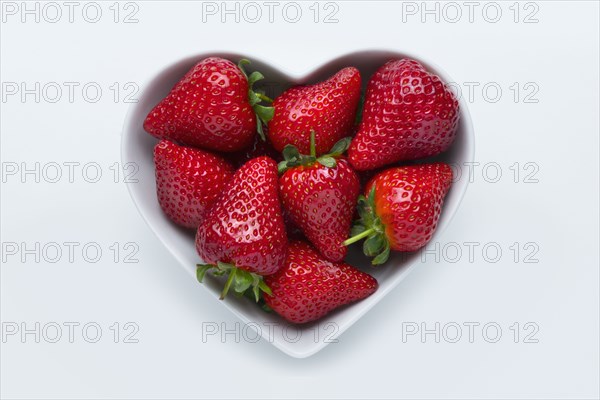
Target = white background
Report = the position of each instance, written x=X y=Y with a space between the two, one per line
x=558 y=55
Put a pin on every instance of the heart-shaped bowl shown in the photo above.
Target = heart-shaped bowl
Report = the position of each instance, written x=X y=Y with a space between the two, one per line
x=297 y=341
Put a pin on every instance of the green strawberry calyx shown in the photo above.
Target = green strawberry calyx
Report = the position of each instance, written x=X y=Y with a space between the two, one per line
x=238 y=280
x=370 y=226
x=292 y=157
x=263 y=113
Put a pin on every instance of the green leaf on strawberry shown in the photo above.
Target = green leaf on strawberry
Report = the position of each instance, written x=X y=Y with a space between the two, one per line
x=238 y=280
x=369 y=226
x=263 y=113
x=401 y=209
x=293 y=158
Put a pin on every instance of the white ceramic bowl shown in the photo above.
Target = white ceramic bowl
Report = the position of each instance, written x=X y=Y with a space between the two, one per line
x=303 y=341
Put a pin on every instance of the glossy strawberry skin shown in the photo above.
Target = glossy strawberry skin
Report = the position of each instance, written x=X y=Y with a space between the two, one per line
x=188 y=181
x=408 y=114
x=408 y=201
x=208 y=108
x=328 y=108
x=308 y=287
x=244 y=226
x=321 y=201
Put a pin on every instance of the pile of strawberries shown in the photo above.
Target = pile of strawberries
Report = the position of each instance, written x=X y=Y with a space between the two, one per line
x=271 y=195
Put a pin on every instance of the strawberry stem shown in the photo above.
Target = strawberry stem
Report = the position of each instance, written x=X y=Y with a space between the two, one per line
x=264 y=97
x=313 y=146
x=358 y=237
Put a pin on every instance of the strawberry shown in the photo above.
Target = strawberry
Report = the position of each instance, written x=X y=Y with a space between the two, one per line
x=308 y=286
x=212 y=107
x=409 y=113
x=319 y=195
x=328 y=108
x=400 y=209
x=243 y=234
x=188 y=181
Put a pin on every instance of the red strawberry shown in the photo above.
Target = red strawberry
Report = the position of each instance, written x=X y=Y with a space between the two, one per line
x=244 y=235
x=328 y=108
x=308 y=286
x=188 y=181
x=319 y=195
x=401 y=209
x=409 y=113
x=212 y=107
